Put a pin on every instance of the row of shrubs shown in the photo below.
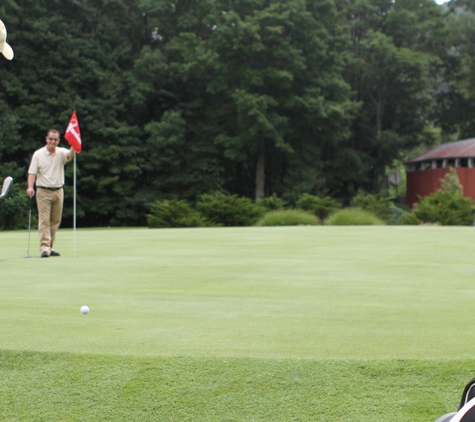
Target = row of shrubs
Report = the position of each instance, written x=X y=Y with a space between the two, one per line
x=447 y=206
x=219 y=209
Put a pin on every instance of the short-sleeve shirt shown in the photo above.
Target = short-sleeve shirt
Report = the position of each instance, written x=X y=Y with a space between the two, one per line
x=49 y=168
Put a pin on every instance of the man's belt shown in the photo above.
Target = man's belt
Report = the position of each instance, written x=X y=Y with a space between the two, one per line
x=47 y=188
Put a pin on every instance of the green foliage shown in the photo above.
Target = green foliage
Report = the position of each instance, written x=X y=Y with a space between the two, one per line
x=247 y=97
x=228 y=210
x=353 y=217
x=14 y=209
x=446 y=208
x=451 y=183
x=396 y=214
x=288 y=218
x=409 y=218
x=392 y=67
x=271 y=203
x=375 y=204
x=321 y=207
x=174 y=213
x=76 y=56
x=455 y=103
x=258 y=105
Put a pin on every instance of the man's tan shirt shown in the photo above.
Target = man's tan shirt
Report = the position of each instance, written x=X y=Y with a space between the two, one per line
x=49 y=168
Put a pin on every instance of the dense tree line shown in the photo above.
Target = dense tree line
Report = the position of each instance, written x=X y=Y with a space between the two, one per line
x=251 y=97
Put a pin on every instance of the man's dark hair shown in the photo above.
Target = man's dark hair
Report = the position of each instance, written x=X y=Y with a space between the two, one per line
x=55 y=131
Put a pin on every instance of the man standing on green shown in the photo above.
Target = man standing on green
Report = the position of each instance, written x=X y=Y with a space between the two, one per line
x=47 y=169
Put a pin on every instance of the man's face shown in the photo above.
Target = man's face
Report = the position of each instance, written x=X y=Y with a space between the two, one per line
x=52 y=141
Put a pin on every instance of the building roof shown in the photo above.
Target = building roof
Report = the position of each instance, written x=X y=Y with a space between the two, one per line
x=458 y=149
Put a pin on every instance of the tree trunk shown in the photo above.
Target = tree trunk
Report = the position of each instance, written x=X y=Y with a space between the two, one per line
x=260 y=170
x=379 y=172
x=379 y=118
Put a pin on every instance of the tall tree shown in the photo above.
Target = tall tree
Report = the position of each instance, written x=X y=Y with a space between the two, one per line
x=74 y=55
x=456 y=94
x=394 y=54
x=171 y=101
x=262 y=80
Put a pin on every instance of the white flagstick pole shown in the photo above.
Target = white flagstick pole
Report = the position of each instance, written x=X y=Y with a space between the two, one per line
x=74 y=206
x=76 y=137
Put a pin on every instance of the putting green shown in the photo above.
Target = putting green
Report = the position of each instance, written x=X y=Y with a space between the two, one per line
x=277 y=292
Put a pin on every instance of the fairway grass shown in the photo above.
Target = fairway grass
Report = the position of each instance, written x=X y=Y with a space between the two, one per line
x=238 y=324
x=70 y=387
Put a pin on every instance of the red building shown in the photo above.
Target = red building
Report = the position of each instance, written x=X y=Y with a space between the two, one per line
x=425 y=171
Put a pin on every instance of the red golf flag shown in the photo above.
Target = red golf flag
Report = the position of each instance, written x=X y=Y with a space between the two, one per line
x=73 y=134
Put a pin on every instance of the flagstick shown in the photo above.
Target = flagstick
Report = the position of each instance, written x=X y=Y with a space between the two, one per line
x=74 y=207
x=73 y=136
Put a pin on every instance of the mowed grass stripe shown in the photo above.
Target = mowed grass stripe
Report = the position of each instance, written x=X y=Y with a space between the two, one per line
x=71 y=387
x=286 y=292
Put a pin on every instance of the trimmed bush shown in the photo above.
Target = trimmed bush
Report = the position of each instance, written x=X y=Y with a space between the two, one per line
x=288 y=218
x=174 y=213
x=449 y=208
x=321 y=207
x=378 y=205
x=14 y=209
x=409 y=219
x=353 y=217
x=271 y=203
x=396 y=214
x=228 y=210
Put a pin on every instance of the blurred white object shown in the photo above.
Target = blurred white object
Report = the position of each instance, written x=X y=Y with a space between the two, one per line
x=465 y=414
x=5 y=48
x=6 y=185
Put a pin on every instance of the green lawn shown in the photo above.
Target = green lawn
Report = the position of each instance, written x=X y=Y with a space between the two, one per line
x=238 y=324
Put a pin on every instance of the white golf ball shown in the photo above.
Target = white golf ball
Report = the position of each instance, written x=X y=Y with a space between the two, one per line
x=84 y=309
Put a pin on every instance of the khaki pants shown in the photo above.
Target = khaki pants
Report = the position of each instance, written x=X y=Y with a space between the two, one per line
x=50 y=210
